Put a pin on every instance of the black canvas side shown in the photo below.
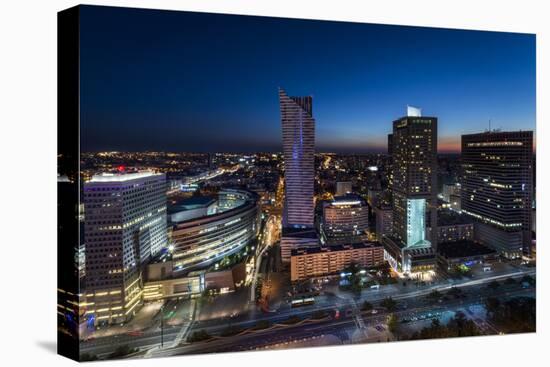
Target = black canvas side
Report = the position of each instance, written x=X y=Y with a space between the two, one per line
x=68 y=183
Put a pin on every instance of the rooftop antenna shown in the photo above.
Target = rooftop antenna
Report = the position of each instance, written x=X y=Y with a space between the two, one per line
x=489 y=125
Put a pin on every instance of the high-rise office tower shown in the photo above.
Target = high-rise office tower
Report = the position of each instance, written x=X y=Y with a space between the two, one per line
x=414 y=156
x=125 y=226
x=497 y=188
x=345 y=218
x=384 y=220
x=390 y=161
x=298 y=128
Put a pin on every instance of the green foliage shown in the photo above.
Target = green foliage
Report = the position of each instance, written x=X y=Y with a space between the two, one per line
x=455 y=292
x=492 y=305
x=459 y=325
x=517 y=315
x=393 y=323
x=509 y=281
x=87 y=357
x=528 y=279
x=389 y=303
x=122 y=350
x=367 y=306
x=462 y=270
x=292 y=320
x=262 y=324
x=434 y=295
x=230 y=331
x=319 y=314
x=199 y=335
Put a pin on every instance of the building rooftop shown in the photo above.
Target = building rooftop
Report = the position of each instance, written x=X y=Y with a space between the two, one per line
x=420 y=251
x=122 y=177
x=463 y=249
x=334 y=248
x=299 y=232
x=451 y=217
x=348 y=199
x=211 y=210
x=191 y=203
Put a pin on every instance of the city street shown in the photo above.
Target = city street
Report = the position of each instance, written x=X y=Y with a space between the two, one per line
x=411 y=300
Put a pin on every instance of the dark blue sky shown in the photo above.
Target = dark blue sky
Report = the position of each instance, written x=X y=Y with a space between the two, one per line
x=176 y=81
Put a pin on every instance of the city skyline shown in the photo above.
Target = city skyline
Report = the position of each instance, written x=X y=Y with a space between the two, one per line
x=174 y=253
x=173 y=92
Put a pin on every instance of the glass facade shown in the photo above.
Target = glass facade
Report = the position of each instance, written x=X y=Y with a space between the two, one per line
x=416 y=217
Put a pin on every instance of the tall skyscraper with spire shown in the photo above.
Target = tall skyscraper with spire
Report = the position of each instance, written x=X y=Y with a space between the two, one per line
x=298 y=127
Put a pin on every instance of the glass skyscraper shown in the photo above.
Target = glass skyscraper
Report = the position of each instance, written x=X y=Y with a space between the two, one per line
x=414 y=159
x=497 y=188
x=125 y=226
x=298 y=127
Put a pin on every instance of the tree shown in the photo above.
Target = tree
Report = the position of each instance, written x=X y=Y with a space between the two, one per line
x=319 y=314
x=455 y=292
x=493 y=285
x=491 y=305
x=389 y=303
x=199 y=335
x=461 y=326
x=528 y=279
x=393 y=323
x=87 y=357
x=292 y=320
x=434 y=295
x=509 y=281
x=367 y=306
x=262 y=324
x=122 y=350
x=457 y=326
x=516 y=315
x=230 y=331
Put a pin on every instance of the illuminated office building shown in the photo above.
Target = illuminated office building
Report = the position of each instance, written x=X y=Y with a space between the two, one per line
x=497 y=188
x=203 y=238
x=414 y=194
x=384 y=220
x=450 y=190
x=345 y=218
x=323 y=261
x=414 y=145
x=298 y=126
x=390 y=161
x=125 y=226
x=453 y=227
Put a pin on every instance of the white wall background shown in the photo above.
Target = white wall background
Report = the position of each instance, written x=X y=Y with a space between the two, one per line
x=28 y=178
